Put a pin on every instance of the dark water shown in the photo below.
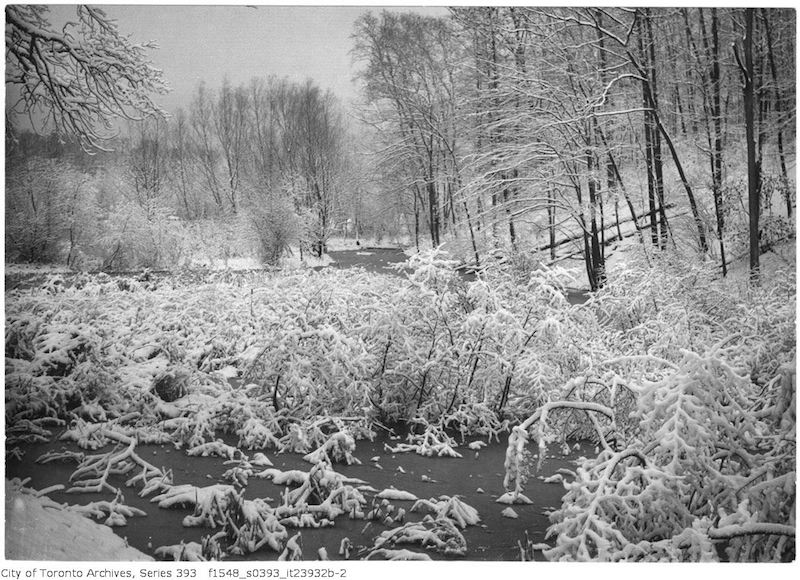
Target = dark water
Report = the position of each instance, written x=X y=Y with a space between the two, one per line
x=382 y=260
x=377 y=260
x=494 y=539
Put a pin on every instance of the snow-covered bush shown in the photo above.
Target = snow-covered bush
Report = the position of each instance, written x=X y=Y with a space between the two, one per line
x=275 y=225
x=684 y=382
x=51 y=212
x=133 y=237
x=688 y=401
x=460 y=513
x=774 y=226
x=432 y=442
x=439 y=534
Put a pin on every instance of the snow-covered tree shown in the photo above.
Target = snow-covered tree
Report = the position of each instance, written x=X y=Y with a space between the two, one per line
x=78 y=79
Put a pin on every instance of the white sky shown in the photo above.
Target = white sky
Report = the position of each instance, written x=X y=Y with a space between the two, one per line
x=209 y=42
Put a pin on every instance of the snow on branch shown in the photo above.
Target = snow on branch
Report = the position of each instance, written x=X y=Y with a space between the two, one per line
x=81 y=78
x=518 y=439
x=750 y=528
x=93 y=472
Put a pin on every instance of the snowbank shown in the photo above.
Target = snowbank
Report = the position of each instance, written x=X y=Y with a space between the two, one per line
x=37 y=528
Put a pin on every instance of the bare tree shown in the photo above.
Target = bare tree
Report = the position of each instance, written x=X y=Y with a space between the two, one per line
x=182 y=157
x=230 y=125
x=780 y=103
x=202 y=122
x=409 y=81
x=147 y=163
x=753 y=166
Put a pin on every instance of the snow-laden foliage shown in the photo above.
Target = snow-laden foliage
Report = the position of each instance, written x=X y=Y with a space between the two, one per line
x=432 y=442
x=439 y=534
x=309 y=349
x=183 y=552
x=463 y=515
x=690 y=401
x=685 y=384
x=339 y=446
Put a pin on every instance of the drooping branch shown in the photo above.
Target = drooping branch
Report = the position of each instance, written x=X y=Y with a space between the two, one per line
x=79 y=79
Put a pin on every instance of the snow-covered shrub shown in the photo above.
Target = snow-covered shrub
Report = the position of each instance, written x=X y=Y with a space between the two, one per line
x=315 y=359
x=183 y=552
x=51 y=212
x=133 y=237
x=774 y=226
x=339 y=447
x=432 y=442
x=614 y=501
x=19 y=334
x=275 y=224
x=476 y=418
x=440 y=534
x=688 y=405
x=691 y=376
x=460 y=513
x=113 y=513
x=449 y=344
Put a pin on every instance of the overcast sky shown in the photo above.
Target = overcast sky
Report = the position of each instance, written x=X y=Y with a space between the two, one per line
x=209 y=42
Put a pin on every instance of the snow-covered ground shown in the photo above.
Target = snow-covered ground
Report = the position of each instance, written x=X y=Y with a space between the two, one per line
x=291 y=261
x=39 y=529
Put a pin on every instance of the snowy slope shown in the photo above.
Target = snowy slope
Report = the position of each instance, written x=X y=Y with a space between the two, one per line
x=40 y=529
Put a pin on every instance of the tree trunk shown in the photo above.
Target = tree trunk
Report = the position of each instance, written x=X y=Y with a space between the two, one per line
x=416 y=220
x=618 y=179
x=778 y=111
x=597 y=265
x=587 y=249
x=690 y=101
x=512 y=234
x=753 y=170
x=716 y=111
x=433 y=209
x=658 y=165
x=701 y=234
x=649 y=147
x=551 y=220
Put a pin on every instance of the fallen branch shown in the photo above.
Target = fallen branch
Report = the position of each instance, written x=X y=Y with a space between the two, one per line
x=98 y=468
x=749 y=529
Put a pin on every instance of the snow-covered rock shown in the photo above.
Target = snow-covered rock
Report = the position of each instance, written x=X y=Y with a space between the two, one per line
x=509 y=513
x=513 y=498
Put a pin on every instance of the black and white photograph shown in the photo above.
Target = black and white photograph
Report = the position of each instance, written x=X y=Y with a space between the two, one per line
x=292 y=287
